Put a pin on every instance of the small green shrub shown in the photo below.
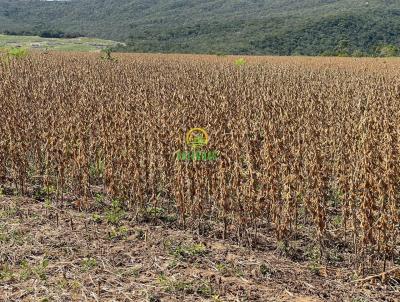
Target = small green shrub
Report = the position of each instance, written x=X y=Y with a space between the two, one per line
x=240 y=62
x=16 y=52
x=115 y=214
x=39 y=271
x=265 y=270
x=184 y=251
x=119 y=232
x=96 y=218
x=107 y=55
x=88 y=263
x=6 y=273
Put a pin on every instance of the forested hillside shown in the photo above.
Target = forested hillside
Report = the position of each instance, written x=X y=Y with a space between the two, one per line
x=309 y=27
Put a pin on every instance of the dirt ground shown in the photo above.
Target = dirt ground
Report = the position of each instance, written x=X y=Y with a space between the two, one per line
x=49 y=253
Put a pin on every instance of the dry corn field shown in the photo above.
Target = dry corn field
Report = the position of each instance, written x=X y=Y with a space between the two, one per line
x=309 y=149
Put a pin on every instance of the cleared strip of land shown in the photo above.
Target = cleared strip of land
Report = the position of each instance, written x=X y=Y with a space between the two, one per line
x=59 y=44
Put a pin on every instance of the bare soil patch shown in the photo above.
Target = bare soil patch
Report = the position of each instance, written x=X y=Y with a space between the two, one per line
x=49 y=253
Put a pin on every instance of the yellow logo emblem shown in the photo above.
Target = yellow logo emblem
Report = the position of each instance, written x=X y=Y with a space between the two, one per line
x=196 y=138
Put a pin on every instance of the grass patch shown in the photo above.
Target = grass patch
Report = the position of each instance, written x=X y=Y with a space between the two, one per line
x=186 y=251
x=88 y=263
x=33 y=271
x=58 y=44
x=173 y=285
x=115 y=213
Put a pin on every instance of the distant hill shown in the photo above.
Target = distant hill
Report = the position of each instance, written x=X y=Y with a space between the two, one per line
x=283 y=27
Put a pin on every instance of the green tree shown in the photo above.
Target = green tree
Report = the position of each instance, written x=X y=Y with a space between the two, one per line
x=387 y=50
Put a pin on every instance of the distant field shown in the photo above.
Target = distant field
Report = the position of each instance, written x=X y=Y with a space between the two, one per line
x=35 y=42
